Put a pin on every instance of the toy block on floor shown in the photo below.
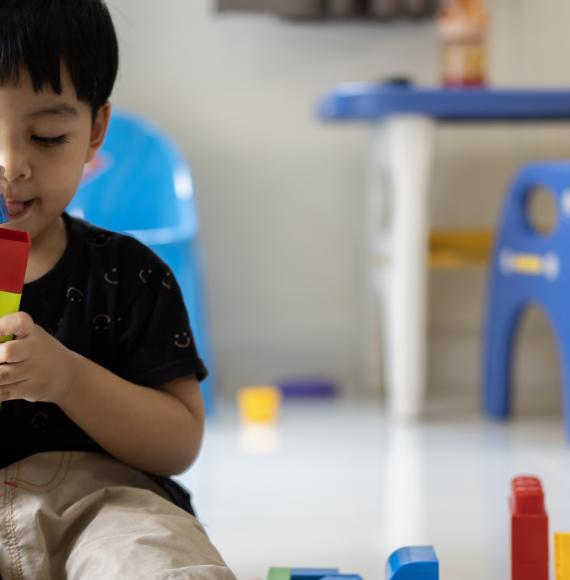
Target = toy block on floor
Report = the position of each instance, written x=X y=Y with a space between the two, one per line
x=307 y=388
x=309 y=574
x=413 y=563
x=312 y=573
x=279 y=574
x=561 y=556
x=259 y=404
x=529 y=530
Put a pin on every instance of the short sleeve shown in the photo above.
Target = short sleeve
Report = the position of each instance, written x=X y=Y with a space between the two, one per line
x=155 y=343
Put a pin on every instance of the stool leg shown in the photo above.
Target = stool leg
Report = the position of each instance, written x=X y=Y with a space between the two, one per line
x=561 y=326
x=501 y=325
x=565 y=361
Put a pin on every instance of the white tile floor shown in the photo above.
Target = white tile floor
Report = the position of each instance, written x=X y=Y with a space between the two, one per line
x=338 y=484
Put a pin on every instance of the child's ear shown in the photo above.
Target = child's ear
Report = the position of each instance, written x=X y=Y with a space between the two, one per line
x=98 y=130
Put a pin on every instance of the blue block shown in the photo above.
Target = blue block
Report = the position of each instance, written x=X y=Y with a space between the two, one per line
x=342 y=577
x=413 y=563
x=4 y=215
x=313 y=573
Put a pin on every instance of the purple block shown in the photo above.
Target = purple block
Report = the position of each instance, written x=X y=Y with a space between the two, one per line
x=307 y=387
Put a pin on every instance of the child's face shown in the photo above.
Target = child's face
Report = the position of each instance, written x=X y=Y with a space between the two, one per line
x=45 y=141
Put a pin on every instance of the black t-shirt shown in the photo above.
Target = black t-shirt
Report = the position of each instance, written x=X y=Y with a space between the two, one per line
x=114 y=301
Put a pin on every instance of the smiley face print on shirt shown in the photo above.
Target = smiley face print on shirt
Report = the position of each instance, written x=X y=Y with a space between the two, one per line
x=182 y=339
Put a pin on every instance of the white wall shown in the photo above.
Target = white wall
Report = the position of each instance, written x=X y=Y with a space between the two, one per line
x=280 y=193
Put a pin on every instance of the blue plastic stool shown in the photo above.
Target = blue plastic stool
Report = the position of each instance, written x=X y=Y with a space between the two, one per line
x=527 y=267
x=141 y=185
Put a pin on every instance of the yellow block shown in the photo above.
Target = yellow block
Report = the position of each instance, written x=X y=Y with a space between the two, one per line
x=9 y=303
x=259 y=404
x=561 y=556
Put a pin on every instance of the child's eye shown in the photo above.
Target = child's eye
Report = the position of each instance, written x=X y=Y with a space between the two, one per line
x=50 y=141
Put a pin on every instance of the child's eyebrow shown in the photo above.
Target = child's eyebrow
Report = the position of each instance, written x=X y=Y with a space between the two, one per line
x=61 y=110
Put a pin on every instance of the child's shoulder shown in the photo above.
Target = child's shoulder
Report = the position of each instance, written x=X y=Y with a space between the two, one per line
x=109 y=246
x=115 y=257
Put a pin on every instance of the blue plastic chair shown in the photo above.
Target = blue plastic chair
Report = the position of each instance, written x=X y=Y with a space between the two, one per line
x=528 y=267
x=141 y=185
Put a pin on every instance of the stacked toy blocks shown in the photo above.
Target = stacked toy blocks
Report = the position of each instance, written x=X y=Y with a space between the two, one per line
x=14 y=252
x=413 y=563
x=410 y=563
x=309 y=574
x=529 y=530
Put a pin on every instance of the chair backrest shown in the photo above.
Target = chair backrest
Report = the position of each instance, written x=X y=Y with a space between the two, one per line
x=515 y=223
x=139 y=183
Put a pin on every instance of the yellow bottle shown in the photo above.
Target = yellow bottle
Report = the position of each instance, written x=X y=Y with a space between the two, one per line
x=463 y=27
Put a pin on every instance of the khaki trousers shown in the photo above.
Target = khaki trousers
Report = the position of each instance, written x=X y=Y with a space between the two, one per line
x=85 y=516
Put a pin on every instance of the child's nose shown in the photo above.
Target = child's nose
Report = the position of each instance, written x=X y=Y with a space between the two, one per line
x=13 y=165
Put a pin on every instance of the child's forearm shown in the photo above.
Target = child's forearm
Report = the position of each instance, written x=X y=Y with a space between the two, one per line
x=149 y=429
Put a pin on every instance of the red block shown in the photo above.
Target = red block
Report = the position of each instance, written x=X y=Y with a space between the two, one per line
x=529 y=530
x=14 y=252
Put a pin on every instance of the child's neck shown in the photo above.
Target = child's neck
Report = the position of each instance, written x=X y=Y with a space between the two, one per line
x=47 y=249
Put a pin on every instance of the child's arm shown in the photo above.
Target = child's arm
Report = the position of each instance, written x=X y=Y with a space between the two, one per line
x=155 y=430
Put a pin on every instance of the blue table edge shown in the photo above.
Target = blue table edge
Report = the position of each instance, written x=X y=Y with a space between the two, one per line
x=368 y=102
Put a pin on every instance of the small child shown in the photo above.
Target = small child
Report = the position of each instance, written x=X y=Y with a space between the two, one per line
x=100 y=397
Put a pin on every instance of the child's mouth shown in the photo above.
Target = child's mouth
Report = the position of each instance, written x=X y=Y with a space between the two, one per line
x=17 y=208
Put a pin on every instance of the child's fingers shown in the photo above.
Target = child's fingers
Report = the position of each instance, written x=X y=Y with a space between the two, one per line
x=12 y=374
x=12 y=391
x=13 y=351
x=11 y=382
x=18 y=324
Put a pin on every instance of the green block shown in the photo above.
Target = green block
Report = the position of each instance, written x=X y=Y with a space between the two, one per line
x=279 y=574
x=9 y=303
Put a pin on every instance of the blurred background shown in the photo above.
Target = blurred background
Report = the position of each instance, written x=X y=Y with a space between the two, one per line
x=280 y=196
x=280 y=193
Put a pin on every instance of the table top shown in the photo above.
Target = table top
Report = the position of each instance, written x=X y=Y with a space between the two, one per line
x=369 y=102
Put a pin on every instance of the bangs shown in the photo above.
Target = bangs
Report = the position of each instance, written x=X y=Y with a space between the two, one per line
x=41 y=35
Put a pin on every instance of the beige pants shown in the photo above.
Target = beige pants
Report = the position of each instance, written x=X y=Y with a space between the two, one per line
x=84 y=516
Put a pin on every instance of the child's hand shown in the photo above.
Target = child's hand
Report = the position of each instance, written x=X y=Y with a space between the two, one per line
x=34 y=366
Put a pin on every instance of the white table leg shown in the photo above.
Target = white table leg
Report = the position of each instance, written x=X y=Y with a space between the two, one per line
x=400 y=167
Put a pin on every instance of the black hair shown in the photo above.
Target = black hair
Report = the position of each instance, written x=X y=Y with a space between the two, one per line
x=41 y=34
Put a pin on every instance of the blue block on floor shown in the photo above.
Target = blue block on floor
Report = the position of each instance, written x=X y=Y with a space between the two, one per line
x=413 y=563
x=313 y=573
x=343 y=577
